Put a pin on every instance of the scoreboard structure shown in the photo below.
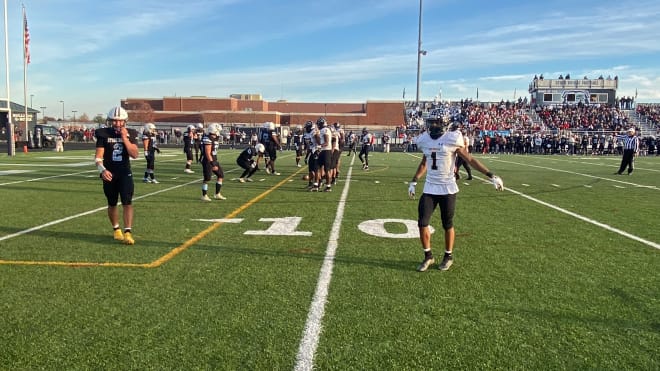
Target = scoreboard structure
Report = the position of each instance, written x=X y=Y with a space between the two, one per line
x=546 y=92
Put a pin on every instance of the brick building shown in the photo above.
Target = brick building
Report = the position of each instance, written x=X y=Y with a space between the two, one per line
x=251 y=110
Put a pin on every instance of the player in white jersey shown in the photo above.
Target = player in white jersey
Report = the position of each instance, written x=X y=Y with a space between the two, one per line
x=337 y=143
x=325 y=154
x=440 y=188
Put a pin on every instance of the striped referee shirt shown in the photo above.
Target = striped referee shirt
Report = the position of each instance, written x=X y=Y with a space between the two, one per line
x=631 y=143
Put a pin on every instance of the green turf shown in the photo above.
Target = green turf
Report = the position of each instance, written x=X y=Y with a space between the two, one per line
x=531 y=288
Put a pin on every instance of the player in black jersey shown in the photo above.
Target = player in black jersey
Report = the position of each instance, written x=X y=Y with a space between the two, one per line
x=210 y=162
x=246 y=160
x=188 y=143
x=150 y=146
x=114 y=146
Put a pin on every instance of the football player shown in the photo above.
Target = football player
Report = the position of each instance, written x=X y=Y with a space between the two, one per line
x=210 y=164
x=337 y=143
x=364 y=151
x=311 y=140
x=269 y=138
x=246 y=160
x=440 y=188
x=298 y=144
x=115 y=145
x=188 y=143
x=150 y=146
x=199 y=132
x=325 y=154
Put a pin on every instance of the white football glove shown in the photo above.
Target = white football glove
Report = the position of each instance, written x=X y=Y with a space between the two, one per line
x=497 y=183
x=411 y=189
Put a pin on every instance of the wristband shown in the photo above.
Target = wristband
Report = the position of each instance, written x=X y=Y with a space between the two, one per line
x=489 y=174
x=101 y=168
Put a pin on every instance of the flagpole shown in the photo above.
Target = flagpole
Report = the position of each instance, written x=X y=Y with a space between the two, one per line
x=11 y=147
x=25 y=62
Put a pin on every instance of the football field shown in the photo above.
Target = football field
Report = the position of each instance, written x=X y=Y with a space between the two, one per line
x=559 y=271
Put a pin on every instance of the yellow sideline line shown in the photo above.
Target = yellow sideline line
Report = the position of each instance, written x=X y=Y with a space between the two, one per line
x=165 y=258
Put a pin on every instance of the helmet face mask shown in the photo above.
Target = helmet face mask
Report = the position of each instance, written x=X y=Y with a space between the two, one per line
x=435 y=128
x=321 y=122
x=309 y=126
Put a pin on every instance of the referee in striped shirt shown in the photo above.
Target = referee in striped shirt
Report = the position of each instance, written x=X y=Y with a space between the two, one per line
x=630 y=150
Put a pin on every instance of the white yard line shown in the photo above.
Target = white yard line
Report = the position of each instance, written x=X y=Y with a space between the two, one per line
x=581 y=174
x=58 y=221
x=312 y=332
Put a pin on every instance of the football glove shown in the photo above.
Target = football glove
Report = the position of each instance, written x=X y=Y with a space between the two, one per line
x=157 y=149
x=411 y=190
x=497 y=183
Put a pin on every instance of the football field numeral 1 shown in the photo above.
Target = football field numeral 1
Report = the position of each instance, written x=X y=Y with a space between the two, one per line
x=281 y=227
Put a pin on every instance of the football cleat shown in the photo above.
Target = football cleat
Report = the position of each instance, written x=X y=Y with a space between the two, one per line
x=188 y=171
x=154 y=181
x=118 y=235
x=219 y=196
x=128 y=239
x=241 y=180
x=249 y=180
x=146 y=180
x=276 y=173
x=447 y=261
x=206 y=198
x=423 y=266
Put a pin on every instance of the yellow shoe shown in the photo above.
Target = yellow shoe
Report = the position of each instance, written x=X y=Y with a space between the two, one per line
x=128 y=239
x=118 y=235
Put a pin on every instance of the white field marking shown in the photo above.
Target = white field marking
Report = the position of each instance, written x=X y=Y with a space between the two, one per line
x=588 y=220
x=76 y=164
x=555 y=185
x=223 y=221
x=582 y=174
x=588 y=186
x=616 y=159
x=618 y=186
x=48 y=177
x=312 y=332
x=525 y=185
x=58 y=221
x=10 y=172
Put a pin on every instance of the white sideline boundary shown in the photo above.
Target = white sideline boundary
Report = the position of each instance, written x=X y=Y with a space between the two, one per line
x=312 y=331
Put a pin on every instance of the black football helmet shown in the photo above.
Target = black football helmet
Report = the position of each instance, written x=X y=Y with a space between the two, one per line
x=309 y=125
x=436 y=126
x=321 y=122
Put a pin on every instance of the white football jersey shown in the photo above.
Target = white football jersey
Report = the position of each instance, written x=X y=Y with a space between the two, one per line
x=440 y=161
x=326 y=137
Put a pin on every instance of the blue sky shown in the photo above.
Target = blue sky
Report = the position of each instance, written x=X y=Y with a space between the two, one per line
x=91 y=54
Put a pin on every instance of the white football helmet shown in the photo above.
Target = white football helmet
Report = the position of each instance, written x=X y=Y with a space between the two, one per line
x=117 y=114
x=269 y=125
x=260 y=148
x=214 y=129
x=150 y=128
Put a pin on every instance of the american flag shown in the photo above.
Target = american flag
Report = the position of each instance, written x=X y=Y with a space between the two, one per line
x=26 y=38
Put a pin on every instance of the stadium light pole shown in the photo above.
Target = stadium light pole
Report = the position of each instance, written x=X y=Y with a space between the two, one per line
x=420 y=52
x=62 y=109
x=74 y=115
x=43 y=112
x=31 y=96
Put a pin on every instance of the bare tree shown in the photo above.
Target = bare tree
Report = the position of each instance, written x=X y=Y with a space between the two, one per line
x=142 y=113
